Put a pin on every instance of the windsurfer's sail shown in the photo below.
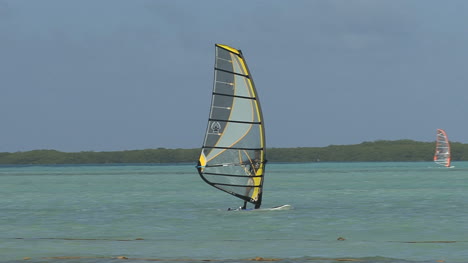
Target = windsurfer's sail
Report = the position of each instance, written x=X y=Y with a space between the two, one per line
x=233 y=153
x=442 y=153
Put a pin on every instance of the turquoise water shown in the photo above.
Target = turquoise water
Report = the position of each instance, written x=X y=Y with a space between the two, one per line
x=387 y=212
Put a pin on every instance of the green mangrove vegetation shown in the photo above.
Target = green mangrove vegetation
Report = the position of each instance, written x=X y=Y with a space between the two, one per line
x=377 y=151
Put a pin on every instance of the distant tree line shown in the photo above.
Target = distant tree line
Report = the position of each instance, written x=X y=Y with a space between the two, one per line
x=160 y=155
x=377 y=151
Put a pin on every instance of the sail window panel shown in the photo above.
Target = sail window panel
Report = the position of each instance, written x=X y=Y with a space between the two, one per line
x=222 y=173
x=239 y=135
x=224 y=64
x=228 y=180
x=244 y=185
x=230 y=84
x=226 y=88
x=221 y=107
x=250 y=140
x=238 y=65
x=246 y=192
x=246 y=136
x=224 y=83
x=244 y=110
x=223 y=59
x=234 y=109
x=235 y=177
x=213 y=134
x=242 y=87
x=230 y=62
x=243 y=191
x=212 y=174
x=232 y=161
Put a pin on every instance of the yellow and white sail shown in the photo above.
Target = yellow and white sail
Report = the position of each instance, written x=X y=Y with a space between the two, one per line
x=233 y=152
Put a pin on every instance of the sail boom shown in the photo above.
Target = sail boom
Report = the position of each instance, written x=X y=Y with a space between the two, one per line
x=230 y=164
x=231 y=175
x=236 y=185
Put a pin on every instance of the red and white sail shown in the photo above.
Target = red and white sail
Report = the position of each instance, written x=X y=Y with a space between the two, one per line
x=442 y=153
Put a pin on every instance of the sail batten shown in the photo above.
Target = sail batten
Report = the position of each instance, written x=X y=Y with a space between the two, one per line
x=234 y=148
x=235 y=73
x=233 y=151
x=442 y=155
x=234 y=121
x=235 y=96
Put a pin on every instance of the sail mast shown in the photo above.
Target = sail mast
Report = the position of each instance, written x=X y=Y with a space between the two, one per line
x=258 y=203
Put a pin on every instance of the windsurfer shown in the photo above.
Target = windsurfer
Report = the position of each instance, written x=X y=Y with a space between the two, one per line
x=254 y=165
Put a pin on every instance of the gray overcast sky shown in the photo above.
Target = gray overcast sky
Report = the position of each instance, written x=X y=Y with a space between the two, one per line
x=106 y=75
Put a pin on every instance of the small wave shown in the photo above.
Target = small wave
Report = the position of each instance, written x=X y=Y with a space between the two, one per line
x=84 y=259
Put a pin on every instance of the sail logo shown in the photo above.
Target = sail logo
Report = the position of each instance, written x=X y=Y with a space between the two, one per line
x=216 y=127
